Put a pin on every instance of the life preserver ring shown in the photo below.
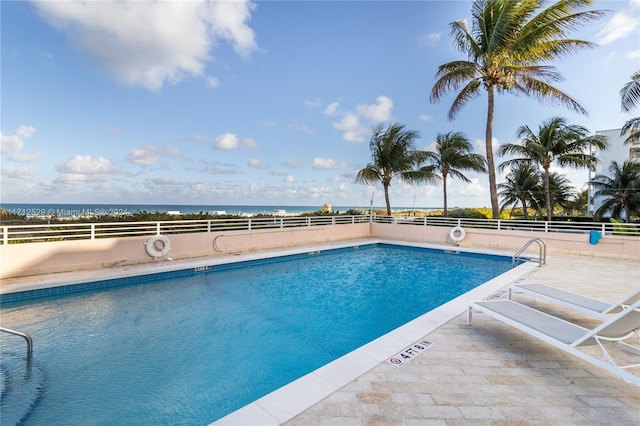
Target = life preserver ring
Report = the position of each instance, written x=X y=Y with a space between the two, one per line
x=215 y=246
x=457 y=234
x=158 y=246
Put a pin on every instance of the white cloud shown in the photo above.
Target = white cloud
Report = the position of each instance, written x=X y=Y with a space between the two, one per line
x=332 y=108
x=355 y=126
x=289 y=179
x=425 y=117
x=352 y=128
x=163 y=185
x=299 y=126
x=257 y=163
x=200 y=138
x=14 y=142
x=472 y=188
x=227 y=141
x=634 y=54
x=481 y=147
x=148 y=43
x=328 y=163
x=293 y=163
x=71 y=179
x=218 y=168
x=378 y=112
x=250 y=143
x=429 y=39
x=9 y=172
x=314 y=104
x=141 y=157
x=213 y=82
x=86 y=165
x=317 y=192
x=619 y=26
x=269 y=123
x=148 y=155
x=26 y=158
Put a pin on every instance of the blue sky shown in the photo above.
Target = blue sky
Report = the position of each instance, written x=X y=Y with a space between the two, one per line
x=270 y=102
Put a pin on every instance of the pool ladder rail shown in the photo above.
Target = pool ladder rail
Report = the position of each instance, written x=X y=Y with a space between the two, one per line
x=542 y=252
x=25 y=336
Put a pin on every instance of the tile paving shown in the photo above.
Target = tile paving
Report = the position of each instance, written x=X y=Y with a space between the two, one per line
x=492 y=374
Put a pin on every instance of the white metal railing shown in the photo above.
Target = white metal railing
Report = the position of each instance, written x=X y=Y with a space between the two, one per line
x=12 y=234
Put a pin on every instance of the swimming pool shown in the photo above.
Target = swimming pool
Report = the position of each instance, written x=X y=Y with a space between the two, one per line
x=194 y=350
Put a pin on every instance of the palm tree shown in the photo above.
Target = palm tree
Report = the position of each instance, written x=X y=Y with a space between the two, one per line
x=580 y=203
x=622 y=190
x=507 y=49
x=556 y=142
x=630 y=95
x=562 y=191
x=521 y=185
x=452 y=156
x=393 y=155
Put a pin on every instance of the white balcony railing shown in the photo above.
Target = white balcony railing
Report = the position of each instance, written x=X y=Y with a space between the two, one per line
x=14 y=234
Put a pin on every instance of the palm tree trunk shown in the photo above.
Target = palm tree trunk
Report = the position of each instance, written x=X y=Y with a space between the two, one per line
x=489 y=147
x=444 y=188
x=386 y=198
x=627 y=213
x=524 y=209
x=547 y=191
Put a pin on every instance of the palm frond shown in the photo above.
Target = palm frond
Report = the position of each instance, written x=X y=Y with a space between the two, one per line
x=630 y=93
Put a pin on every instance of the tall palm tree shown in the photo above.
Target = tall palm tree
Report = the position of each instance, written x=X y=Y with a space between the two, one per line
x=521 y=185
x=630 y=96
x=393 y=156
x=452 y=156
x=508 y=49
x=555 y=142
x=622 y=190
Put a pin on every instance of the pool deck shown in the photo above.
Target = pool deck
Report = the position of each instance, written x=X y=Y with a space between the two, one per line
x=487 y=373
x=492 y=374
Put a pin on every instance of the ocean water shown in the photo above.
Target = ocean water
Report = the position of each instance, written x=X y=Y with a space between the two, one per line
x=71 y=210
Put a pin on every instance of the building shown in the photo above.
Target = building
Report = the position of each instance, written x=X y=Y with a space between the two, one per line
x=619 y=152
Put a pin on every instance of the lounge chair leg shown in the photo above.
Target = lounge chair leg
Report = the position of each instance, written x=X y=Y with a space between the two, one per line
x=469 y=315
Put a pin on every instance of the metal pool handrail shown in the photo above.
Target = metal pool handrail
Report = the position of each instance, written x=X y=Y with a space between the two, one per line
x=542 y=254
x=25 y=336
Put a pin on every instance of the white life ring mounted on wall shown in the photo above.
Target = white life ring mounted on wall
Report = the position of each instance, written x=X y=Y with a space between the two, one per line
x=457 y=234
x=158 y=246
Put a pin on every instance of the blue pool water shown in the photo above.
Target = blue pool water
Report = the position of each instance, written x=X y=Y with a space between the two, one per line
x=193 y=349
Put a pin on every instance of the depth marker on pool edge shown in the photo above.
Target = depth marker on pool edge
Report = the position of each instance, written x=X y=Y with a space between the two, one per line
x=408 y=354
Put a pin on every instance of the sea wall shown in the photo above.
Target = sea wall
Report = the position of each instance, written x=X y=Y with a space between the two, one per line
x=31 y=259
x=557 y=242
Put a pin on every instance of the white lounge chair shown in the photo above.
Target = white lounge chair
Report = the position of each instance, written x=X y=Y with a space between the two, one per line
x=575 y=301
x=568 y=336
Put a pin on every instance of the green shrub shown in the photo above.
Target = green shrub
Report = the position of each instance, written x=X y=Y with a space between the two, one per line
x=355 y=211
x=468 y=214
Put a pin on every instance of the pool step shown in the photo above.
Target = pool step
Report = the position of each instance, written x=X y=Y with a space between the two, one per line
x=22 y=383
